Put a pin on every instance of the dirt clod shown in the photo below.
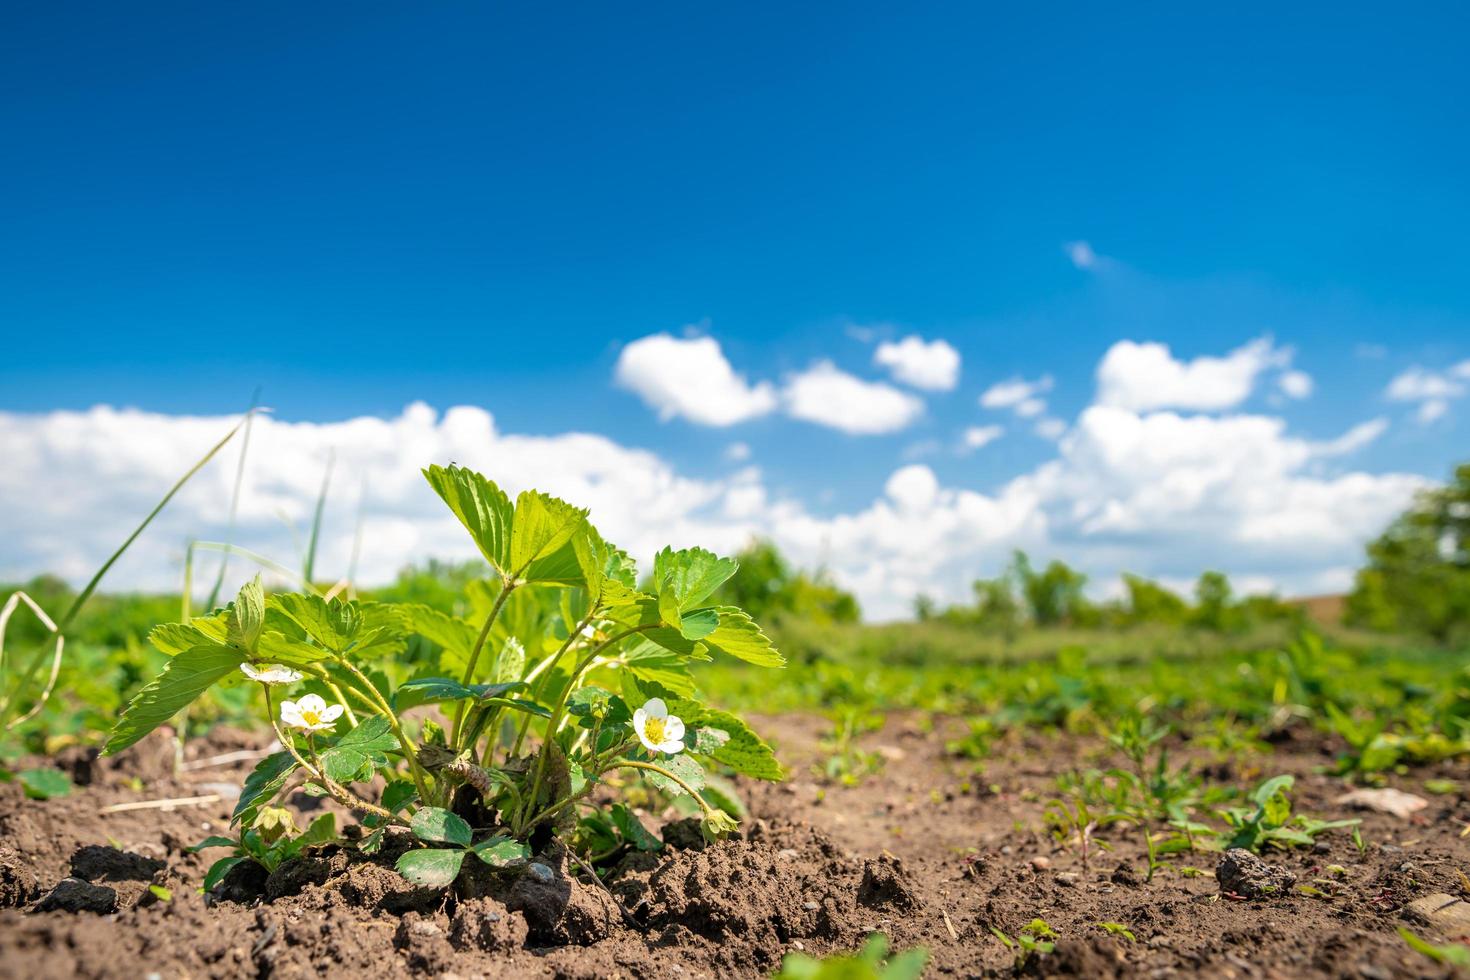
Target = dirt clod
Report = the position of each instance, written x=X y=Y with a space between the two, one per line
x=1242 y=873
x=17 y=881
x=885 y=884
x=485 y=924
x=76 y=895
x=558 y=908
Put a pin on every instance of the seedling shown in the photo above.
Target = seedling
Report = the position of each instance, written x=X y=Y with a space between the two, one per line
x=1450 y=954
x=872 y=963
x=1117 y=929
x=534 y=730
x=847 y=762
x=271 y=840
x=1270 y=822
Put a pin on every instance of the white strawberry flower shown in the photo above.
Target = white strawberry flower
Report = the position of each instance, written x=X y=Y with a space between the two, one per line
x=270 y=673
x=658 y=730
x=310 y=714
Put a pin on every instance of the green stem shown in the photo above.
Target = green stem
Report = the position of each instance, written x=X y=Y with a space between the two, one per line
x=559 y=713
x=506 y=587
x=339 y=792
x=543 y=666
x=413 y=763
x=649 y=766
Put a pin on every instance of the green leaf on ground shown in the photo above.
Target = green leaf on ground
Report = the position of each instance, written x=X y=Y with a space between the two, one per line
x=44 y=784
x=431 y=867
x=435 y=824
x=502 y=852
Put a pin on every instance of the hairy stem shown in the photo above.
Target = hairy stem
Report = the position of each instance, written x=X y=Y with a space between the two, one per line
x=414 y=768
x=339 y=792
x=506 y=587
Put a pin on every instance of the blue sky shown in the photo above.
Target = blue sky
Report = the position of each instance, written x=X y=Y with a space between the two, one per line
x=360 y=207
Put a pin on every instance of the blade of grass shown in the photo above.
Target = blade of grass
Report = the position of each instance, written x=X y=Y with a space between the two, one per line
x=34 y=665
x=308 y=567
x=267 y=563
x=219 y=580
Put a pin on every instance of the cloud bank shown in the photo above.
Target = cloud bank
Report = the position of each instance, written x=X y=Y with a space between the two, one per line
x=1157 y=493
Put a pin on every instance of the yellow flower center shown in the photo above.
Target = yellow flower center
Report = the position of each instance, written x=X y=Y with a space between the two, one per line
x=311 y=717
x=653 y=730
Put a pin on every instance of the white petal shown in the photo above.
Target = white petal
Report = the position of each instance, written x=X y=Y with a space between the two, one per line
x=640 y=719
x=249 y=671
x=291 y=713
x=332 y=713
x=312 y=704
x=674 y=729
x=672 y=746
x=656 y=708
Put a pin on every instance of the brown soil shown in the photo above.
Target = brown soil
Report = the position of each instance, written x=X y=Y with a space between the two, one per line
x=926 y=851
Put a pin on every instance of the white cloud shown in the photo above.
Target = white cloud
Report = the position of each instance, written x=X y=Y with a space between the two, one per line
x=1081 y=253
x=828 y=396
x=1433 y=390
x=1295 y=384
x=1051 y=428
x=1015 y=391
x=1143 y=376
x=691 y=378
x=77 y=482
x=933 y=365
x=1160 y=494
x=1030 y=408
x=737 y=452
x=1354 y=439
x=1432 y=410
x=1418 y=384
x=979 y=436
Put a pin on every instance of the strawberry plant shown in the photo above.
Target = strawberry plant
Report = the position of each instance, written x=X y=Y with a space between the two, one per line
x=526 y=719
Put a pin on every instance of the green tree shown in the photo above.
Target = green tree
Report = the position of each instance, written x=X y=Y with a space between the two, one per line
x=1214 y=605
x=1150 y=602
x=1054 y=594
x=1418 y=572
x=996 y=605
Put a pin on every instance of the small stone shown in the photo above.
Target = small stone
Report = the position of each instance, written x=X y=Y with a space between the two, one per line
x=1040 y=862
x=1444 y=912
x=788 y=854
x=811 y=906
x=540 y=872
x=1068 y=879
x=798 y=945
